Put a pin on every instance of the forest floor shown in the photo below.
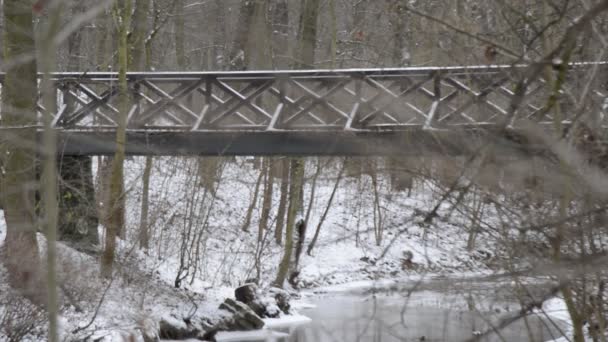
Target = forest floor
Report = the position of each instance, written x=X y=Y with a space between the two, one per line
x=200 y=236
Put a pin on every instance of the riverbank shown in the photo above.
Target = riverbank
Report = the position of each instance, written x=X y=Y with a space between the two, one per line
x=350 y=251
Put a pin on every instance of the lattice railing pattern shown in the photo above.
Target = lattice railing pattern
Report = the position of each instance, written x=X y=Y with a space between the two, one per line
x=359 y=100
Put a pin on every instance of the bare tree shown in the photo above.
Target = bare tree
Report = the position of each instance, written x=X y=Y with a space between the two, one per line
x=306 y=57
x=19 y=94
x=122 y=13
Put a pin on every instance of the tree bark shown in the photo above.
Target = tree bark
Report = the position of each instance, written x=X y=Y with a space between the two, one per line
x=144 y=229
x=280 y=30
x=78 y=219
x=116 y=220
x=252 y=204
x=313 y=188
x=308 y=34
x=258 y=50
x=75 y=40
x=208 y=169
x=48 y=185
x=180 y=52
x=238 y=60
x=312 y=243
x=400 y=57
x=359 y=31
x=378 y=220
x=268 y=192
x=137 y=38
x=295 y=188
x=305 y=58
x=138 y=61
x=218 y=58
x=19 y=94
x=104 y=42
x=278 y=232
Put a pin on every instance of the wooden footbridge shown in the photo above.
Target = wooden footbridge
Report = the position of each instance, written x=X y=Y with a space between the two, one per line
x=406 y=111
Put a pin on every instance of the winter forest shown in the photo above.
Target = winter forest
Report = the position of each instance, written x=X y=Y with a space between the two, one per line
x=304 y=170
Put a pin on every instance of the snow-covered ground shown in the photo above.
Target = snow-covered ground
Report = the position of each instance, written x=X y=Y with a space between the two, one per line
x=221 y=256
x=347 y=235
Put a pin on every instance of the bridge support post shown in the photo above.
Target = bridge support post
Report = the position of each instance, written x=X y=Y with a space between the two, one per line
x=77 y=219
x=398 y=168
x=77 y=210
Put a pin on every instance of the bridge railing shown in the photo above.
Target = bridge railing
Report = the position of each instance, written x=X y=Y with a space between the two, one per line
x=333 y=100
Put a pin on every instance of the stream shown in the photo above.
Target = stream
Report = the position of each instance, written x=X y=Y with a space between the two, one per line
x=437 y=311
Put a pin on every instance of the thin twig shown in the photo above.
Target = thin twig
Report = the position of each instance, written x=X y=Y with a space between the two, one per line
x=103 y=296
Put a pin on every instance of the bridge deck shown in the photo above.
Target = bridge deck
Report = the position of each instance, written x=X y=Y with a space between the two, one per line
x=303 y=143
x=317 y=112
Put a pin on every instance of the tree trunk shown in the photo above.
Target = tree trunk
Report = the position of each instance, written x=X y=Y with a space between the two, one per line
x=378 y=221
x=218 y=58
x=106 y=62
x=300 y=227
x=295 y=188
x=401 y=179
x=144 y=229
x=400 y=57
x=333 y=24
x=19 y=94
x=258 y=50
x=105 y=45
x=252 y=204
x=475 y=223
x=308 y=34
x=280 y=30
x=104 y=171
x=577 y=320
x=358 y=29
x=313 y=188
x=180 y=52
x=238 y=59
x=75 y=40
x=78 y=219
x=305 y=58
x=48 y=186
x=137 y=38
x=208 y=170
x=116 y=219
x=397 y=18
x=138 y=61
x=268 y=192
x=278 y=232
x=312 y=243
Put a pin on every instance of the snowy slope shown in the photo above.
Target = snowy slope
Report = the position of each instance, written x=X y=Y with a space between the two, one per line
x=222 y=255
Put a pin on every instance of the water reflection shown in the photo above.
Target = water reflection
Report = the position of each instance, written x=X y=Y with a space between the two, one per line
x=390 y=318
